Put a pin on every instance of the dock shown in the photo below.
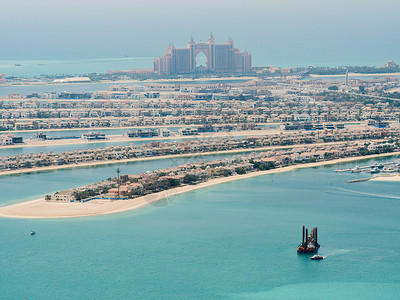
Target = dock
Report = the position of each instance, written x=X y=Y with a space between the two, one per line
x=343 y=170
x=387 y=167
x=358 y=180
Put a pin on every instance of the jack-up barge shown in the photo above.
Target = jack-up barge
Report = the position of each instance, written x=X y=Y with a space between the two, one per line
x=309 y=243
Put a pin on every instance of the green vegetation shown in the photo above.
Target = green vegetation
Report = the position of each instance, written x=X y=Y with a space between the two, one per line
x=168 y=183
x=351 y=69
x=225 y=172
x=190 y=178
x=80 y=195
x=240 y=170
x=365 y=151
x=262 y=166
x=157 y=186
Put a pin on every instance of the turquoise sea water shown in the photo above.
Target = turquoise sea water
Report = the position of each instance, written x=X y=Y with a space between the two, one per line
x=231 y=241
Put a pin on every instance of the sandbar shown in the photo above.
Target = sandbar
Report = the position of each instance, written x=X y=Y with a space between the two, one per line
x=389 y=178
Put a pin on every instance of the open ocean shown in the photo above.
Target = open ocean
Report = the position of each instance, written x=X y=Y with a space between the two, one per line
x=231 y=241
x=31 y=68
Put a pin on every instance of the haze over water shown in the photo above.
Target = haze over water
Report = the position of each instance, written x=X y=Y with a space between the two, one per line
x=94 y=36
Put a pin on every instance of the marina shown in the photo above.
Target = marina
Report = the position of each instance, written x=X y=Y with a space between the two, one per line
x=383 y=168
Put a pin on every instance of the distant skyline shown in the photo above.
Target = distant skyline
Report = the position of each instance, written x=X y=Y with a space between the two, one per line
x=284 y=33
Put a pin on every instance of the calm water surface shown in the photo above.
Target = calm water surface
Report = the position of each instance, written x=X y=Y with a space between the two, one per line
x=232 y=241
x=91 y=87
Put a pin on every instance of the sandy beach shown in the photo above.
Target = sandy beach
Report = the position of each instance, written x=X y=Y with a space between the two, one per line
x=108 y=162
x=389 y=178
x=42 y=209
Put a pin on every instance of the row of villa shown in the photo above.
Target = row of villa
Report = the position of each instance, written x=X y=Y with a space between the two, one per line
x=31 y=160
x=249 y=102
x=132 y=186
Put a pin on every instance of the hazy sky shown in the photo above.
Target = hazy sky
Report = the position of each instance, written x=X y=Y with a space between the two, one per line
x=280 y=32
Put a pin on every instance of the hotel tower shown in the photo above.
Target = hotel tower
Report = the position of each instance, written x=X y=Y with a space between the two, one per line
x=220 y=58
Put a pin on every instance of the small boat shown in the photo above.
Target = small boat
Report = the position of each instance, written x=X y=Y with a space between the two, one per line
x=33 y=232
x=317 y=257
x=375 y=170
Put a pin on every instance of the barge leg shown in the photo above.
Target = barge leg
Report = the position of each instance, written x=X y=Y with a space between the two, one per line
x=306 y=236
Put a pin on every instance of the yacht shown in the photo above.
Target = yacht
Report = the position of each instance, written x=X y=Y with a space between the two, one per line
x=317 y=257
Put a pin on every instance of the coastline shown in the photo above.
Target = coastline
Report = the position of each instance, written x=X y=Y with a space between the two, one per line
x=276 y=125
x=121 y=138
x=138 y=81
x=94 y=128
x=127 y=160
x=114 y=161
x=41 y=209
x=389 y=178
x=356 y=74
x=140 y=127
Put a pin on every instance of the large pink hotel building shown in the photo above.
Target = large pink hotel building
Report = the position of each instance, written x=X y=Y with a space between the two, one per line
x=220 y=58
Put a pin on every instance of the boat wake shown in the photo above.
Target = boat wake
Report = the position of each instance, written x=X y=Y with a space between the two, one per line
x=367 y=194
x=384 y=254
x=336 y=252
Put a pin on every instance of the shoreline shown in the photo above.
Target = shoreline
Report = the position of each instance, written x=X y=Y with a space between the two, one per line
x=270 y=124
x=142 y=127
x=128 y=160
x=356 y=74
x=118 y=138
x=138 y=81
x=387 y=178
x=93 y=128
x=41 y=209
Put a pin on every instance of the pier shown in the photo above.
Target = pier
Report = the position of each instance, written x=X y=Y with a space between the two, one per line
x=358 y=180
